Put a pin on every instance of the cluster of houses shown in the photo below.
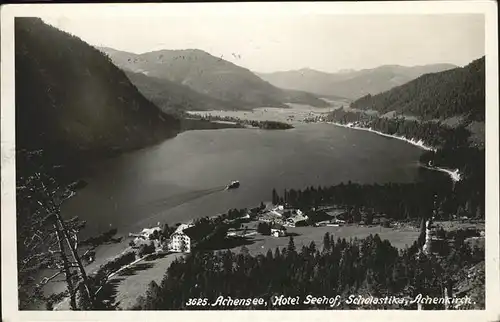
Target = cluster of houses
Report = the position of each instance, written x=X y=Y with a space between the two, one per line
x=278 y=217
x=282 y=216
x=179 y=241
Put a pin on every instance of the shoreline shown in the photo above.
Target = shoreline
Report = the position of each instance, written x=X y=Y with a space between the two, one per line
x=419 y=143
x=454 y=174
x=122 y=247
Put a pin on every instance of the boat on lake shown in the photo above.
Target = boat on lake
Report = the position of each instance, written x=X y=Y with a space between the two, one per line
x=233 y=185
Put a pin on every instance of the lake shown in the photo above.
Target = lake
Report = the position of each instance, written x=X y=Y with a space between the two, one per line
x=184 y=178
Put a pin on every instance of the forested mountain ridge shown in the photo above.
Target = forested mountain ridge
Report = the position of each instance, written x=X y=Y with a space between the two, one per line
x=71 y=99
x=445 y=109
x=212 y=76
x=350 y=84
x=456 y=92
x=172 y=97
x=72 y=106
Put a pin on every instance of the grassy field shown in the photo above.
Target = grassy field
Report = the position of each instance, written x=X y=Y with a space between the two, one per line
x=128 y=285
x=454 y=225
x=399 y=237
x=133 y=282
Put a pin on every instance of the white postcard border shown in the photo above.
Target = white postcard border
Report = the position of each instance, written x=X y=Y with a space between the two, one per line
x=8 y=236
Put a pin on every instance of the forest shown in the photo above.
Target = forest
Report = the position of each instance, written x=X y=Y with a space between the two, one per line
x=433 y=134
x=459 y=91
x=87 y=108
x=369 y=267
x=266 y=125
x=453 y=150
x=394 y=201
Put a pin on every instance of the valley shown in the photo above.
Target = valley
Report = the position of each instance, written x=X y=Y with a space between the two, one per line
x=366 y=181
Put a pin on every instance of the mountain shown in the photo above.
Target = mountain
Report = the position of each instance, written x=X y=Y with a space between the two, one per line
x=458 y=92
x=70 y=98
x=209 y=75
x=348 y=83
x=172 y=97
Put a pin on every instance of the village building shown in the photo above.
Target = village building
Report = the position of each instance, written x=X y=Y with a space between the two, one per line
x=280 y=214
x=278 y=211
x=146 y=232
x=240 y=232
x=434 y=244
x=429 y=233
x=271 y=217
x=181 y=227
x=144 y=237
x=338 y=221
x=278 y=230
x=296 y=217
x=336 y=212
x=179 y=242
x=231 y=232
x=289 y=222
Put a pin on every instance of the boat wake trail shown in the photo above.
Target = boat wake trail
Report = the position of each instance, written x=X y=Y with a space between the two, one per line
x=179 y=199
x=157 y=208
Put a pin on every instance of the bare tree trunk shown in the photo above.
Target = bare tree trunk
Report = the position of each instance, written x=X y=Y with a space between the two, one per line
x=445 y=292
x=77 y=259
x=66 y=268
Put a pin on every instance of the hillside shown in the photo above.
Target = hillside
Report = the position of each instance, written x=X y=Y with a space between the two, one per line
x=71 y=100
x=212 y=76
x=350 y=84
x=459 y=92
x=172 y=97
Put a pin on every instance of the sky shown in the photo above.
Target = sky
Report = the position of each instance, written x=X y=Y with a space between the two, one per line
x=268 y=43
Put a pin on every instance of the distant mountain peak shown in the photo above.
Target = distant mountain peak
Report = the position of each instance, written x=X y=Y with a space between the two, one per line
x=346 y=71
x=350 y=83
x=211 y=75
x=180 y=51
x=311 y=71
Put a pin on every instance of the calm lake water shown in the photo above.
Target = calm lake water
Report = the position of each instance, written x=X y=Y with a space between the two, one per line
x=183 y=178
